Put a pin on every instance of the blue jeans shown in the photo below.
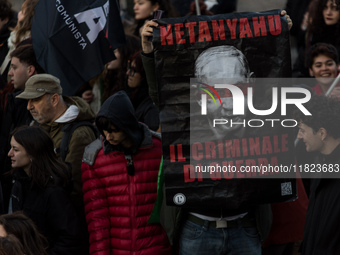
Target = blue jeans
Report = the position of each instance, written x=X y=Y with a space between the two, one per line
x=204 y=240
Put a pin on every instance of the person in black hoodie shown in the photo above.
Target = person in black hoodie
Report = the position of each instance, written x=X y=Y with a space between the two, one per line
x=119 y=174
x=138 y=92
x=41 y=187
x=320 y=133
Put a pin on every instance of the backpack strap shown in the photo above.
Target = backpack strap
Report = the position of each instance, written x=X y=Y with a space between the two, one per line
x=68 y=130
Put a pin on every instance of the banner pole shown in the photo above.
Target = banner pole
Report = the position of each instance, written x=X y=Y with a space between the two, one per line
x=335 y=82
x=198 y=10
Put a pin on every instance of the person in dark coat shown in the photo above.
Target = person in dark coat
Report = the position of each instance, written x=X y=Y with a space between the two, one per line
x=138 y=92
x=320 y=133
x=41 y=187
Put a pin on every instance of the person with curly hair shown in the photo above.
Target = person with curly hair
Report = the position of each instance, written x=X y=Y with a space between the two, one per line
x=322 y=26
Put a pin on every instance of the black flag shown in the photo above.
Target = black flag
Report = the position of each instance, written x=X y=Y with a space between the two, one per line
x=73 y=40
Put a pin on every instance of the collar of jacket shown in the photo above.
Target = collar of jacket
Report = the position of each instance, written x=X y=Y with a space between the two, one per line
x=146 y=142
x=20 y=175
x=332 y=157
x=92 y=149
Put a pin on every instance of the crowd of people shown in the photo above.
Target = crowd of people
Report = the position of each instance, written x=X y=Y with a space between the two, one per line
x=81 y=174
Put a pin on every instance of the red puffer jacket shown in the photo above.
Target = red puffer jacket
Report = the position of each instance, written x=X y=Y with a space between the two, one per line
x=118 y=205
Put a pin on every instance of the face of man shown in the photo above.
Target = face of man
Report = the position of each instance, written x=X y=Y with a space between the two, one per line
x=41 y=109
x=19 y=73
x=117 y=137
x=324 y=69
x=312 y=140
x=230 y=69
x=224 y=67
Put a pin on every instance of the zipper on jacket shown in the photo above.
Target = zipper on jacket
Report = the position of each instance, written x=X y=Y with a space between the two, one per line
x=132 y=198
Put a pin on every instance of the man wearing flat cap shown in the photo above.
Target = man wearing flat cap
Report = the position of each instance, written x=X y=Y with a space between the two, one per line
x=52 y=111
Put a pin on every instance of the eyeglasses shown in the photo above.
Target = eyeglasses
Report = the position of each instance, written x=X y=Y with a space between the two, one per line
x=131 y=69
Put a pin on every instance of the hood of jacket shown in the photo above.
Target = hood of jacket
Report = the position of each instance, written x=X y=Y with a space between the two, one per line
x=85 y=113
x=120 y=111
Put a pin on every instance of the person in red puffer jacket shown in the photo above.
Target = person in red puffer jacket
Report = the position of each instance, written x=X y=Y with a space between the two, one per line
x=119 y=173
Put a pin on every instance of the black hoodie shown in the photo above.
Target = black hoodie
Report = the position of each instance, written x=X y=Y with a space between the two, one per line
x=119 y=110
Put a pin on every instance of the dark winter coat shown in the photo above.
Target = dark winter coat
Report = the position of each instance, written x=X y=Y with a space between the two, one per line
x=145 y=109
x=321 y=234
x=52 y=212
x=81 y=137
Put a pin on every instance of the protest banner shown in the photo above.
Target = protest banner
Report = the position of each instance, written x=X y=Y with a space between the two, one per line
x=194 y=54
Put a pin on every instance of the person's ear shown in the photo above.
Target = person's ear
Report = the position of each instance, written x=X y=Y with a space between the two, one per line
x=55 y=99
x=251 y=77
x=5 y=20
x=155 y=7
x=31 y=70
x=323 y=133
x=311 y=73
x=338 y=67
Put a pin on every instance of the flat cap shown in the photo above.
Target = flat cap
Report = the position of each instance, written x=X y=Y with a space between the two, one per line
x=39 y=85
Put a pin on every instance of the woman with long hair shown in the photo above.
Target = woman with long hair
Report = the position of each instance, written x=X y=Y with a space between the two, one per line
x=324 y=23
x=115 y=74
x=25 y=17
x=21 y=32
x=41 y=186
x=322 y=26
x=138 y=92
x=23 y=228
x=144 y=10
x=113 y=78
x=10 y=245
